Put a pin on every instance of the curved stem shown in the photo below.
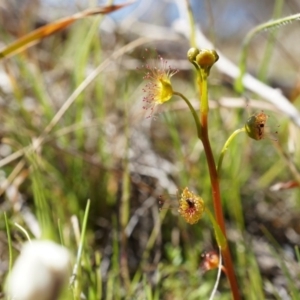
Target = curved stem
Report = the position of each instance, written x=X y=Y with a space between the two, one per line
x=225 y=147
x=194 y=113
x=244 y=52
x=213 y=293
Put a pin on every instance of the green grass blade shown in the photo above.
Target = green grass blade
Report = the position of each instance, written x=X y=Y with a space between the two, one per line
x=9 y=242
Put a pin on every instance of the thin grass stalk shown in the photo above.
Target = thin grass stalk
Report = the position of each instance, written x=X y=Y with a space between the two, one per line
x=291 y=285
x=10 y=259
x=192 y=24
x=43 y=210
x=125 y=206
x=288 y=161
x=16 y=171
x=265 y=62
x=150 y=243
x=82 y=58
x=256 y=284
x=60 y=232
x=98 y=276
x=176 y=142
x=23 y=231
x=80 y=248
x=297 y=252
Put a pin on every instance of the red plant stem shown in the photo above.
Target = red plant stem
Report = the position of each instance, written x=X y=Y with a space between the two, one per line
x=218 y=206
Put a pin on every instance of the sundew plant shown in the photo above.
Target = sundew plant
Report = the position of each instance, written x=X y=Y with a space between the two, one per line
x=124 y=176
x=191 y=207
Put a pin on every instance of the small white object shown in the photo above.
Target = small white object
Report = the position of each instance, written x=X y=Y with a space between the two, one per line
x=40 y=272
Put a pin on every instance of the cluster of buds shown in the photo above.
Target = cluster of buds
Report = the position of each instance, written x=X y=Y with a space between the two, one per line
x=203 y=59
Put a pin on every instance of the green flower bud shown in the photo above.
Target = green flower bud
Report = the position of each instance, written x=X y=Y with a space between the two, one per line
x=192 y=53
x=206 y=58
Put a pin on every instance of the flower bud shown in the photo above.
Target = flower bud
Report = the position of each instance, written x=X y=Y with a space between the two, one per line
x=192 y=53
x=40 y=272
x=210 y=260
x=206 y=58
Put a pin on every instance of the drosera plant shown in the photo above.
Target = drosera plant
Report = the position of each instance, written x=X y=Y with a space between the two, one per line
x=159 y=90
x=84 y=279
